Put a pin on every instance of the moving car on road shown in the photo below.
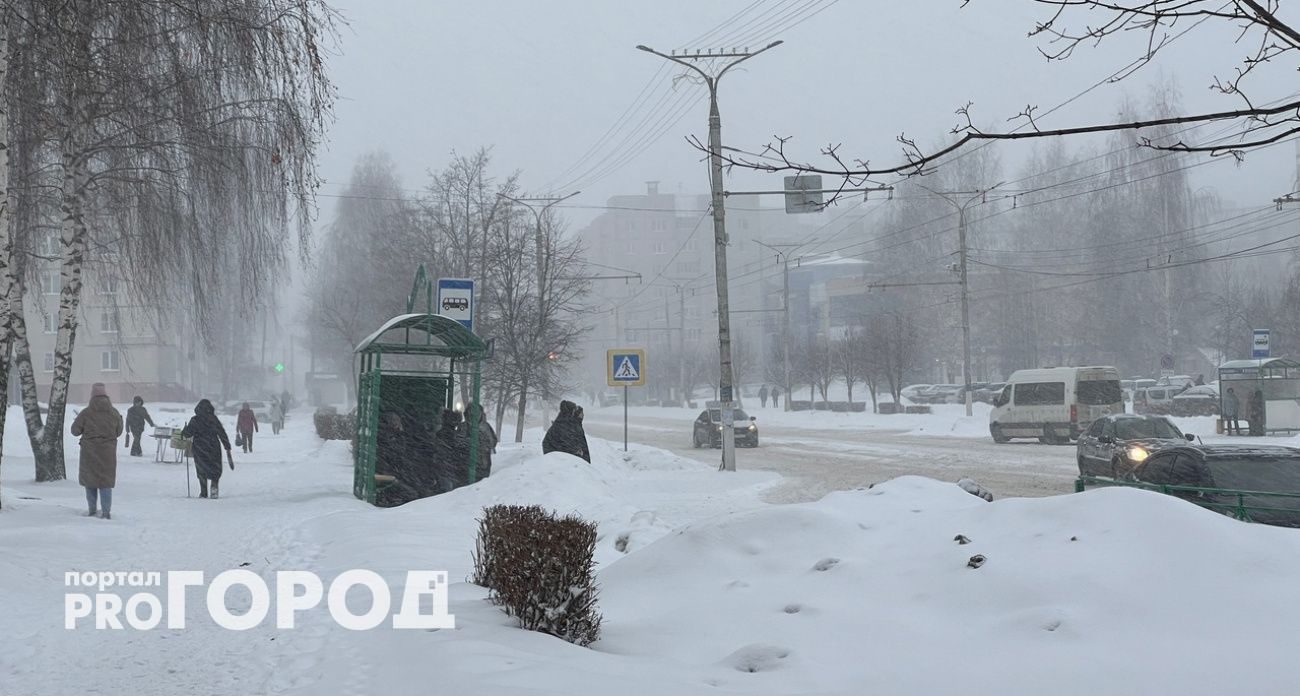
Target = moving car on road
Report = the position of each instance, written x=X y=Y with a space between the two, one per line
x=707 y=431
x=1055 y=404
x=1114 y=445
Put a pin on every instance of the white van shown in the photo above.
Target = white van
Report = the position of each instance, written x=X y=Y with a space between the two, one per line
x=1055 y=404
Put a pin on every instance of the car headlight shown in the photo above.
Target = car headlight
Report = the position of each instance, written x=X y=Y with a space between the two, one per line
x=753 y=428
x=719 y=428
x=1137 y=454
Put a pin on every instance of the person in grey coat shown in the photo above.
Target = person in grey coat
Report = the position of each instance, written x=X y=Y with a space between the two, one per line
x=487 y=440
x=98 y=425
x=566 y=434
x=1231 y=413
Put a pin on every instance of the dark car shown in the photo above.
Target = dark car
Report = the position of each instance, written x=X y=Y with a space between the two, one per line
x=1263 y=480
x=708 y=429
x=1113 y=445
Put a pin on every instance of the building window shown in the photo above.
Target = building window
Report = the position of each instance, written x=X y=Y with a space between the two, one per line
x=661 y=248
x=108 y=322
x=50 y=283
x=693 y=334
x=692 y=244
x=49 y=246
x=49 y=362
x=108 y=361
x=688 y=267
x=107 y=284
x=50 y=322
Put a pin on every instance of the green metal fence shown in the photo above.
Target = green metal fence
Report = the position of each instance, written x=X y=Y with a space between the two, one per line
x=1267 y=507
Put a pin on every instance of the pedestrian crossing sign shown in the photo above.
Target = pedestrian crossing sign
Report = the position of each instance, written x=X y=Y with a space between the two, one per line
x=625 y=367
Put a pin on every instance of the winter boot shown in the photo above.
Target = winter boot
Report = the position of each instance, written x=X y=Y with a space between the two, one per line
x=203 y=487
x=104 y=515
x=214 y=489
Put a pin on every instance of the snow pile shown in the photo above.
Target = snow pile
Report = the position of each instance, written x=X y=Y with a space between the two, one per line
x=704 y=587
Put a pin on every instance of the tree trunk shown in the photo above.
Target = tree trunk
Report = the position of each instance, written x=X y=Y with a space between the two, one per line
x=7 y=270
x=523 y=407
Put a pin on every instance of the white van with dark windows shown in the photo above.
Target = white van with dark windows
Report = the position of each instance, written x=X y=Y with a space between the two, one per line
x=1054 y=404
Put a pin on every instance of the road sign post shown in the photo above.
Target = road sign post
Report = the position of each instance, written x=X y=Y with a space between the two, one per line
x=456 y=300
x=625 y=367
x=1259 y=347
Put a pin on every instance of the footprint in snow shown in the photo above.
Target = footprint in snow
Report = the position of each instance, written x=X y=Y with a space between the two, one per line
x=758 y=657
x=620 y=544
x=826 y=564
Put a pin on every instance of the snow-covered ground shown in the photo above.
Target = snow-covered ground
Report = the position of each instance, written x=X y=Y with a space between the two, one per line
x=706 y=588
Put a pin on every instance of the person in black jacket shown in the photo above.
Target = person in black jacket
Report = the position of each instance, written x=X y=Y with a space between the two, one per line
x=451 y=452
x=136 y=417
x=208 y=439
x=565 y=433
x=487 y=440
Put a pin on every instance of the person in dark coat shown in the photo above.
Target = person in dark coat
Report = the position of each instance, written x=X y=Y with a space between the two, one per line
x=565 y=433
x=776 y=397
x=208 y=438
x=246 y=426
x=136 y=417
x=487 y=440
x=1255 y=413
x=762 y=395
x=98 y=425
x=451 y=452
x=394 y=459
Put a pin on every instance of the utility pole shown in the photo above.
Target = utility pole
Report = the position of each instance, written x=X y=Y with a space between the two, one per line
x=960 y=200
x=784 y=256
x=725 y=387
x=538 y=205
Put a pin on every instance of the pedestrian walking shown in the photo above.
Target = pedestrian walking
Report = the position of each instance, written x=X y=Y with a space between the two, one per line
x=762 y=395
x=277 y=416
x=245 y=426
x=1255 y=412
x=1231 y=412
x=566 y=434
x=208 y=439
x=98 y=425
x=136 y=417
x=776 y=397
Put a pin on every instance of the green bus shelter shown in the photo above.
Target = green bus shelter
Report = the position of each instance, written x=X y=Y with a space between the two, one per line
x=410 y=366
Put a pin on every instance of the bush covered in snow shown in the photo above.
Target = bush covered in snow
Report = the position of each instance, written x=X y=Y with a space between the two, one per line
x=540 y=569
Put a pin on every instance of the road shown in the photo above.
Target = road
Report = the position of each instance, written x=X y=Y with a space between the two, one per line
x=820 y=461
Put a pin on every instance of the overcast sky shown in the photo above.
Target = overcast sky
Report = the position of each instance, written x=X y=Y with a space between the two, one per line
x=540 y=82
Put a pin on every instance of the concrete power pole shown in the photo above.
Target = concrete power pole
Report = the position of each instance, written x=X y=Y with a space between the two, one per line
x=726 y=392
x=783 y=253
x=960 y=200
x=538 y=205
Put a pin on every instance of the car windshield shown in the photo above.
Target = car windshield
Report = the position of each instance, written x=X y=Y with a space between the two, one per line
x=1140 y=428
x=1099 y=392
x=716 y=416
x=1270 y=474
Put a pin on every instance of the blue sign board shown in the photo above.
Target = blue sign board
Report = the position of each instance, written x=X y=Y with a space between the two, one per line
x=1259 y=345
x=456 y=300
x=626 y=367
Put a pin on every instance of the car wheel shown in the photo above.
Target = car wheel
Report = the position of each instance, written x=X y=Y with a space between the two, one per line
x=998 y=437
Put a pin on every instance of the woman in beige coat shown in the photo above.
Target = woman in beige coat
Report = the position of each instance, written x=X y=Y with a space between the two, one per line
x=98 y=425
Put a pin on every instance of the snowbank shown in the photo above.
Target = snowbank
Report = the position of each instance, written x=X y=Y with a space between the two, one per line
x=705 y=588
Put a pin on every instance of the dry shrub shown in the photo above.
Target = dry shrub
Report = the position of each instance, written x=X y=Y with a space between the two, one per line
x=540 y=569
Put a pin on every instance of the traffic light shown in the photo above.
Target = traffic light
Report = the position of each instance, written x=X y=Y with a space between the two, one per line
x=279 y=368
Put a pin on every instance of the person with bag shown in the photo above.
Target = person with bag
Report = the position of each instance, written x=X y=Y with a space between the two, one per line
x=207 y=438
x=98 y=425
x=245 y=427
x=136 y=417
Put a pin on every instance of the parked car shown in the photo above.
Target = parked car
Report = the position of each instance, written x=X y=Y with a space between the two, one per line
x=1056 y=404
x=707 y=431
x=974 y=390
x=940 y=394
x=989 y=391
x=1113 y=445
x=1201 y=400
x=912 y=391
x=1158 y=399
x=1269 y=476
